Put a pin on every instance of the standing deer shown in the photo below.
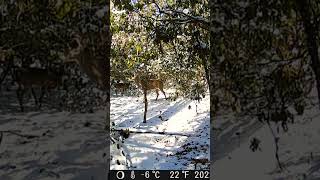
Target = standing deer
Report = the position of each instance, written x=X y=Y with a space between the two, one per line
x=90 y=57
x=145 y=83
x=121 y=86
x=29 y=78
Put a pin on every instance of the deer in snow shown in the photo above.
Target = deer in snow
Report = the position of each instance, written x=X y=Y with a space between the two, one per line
x=145 y=83
x=30 y=78
x=120 y=86
x=90 y=59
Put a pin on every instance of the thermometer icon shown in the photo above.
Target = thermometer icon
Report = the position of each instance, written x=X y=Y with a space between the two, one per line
x=132 y=175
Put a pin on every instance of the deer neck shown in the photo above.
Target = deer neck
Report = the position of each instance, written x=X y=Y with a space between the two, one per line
x=94 y=67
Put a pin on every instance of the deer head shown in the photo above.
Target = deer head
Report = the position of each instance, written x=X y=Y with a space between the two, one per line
x=92 y=55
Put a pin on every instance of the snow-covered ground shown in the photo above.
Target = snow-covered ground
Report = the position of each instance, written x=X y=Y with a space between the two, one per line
x=67 y=146
x=73 y=145
x=186 y=133
x=299 y=148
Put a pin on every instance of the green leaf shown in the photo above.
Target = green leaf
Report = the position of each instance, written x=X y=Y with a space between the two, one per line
x=138 y=48
x=64 y=9
x=170 y=2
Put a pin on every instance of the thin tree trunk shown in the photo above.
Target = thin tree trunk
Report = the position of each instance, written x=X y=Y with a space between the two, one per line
x=145 y=106
x=311 y=35
x=206 y=70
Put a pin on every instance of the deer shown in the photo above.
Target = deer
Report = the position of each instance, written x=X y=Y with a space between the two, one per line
x=121 y=86
x=29 y=78
x=145 y=83
x=90 y=57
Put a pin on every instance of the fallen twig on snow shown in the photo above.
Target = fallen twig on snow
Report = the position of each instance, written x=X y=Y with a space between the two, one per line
x=17 y=133
x=151 y=132
x=199 y=161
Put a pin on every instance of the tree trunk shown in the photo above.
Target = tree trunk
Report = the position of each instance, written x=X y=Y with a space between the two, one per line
x=211 y=63
x=311 y=35
x=106 y=80
x=206 y=70
x=145 y=106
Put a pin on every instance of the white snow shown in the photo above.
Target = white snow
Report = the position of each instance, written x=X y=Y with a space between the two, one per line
x=299 y=148
x=68 y=149
x=162 y=151
x=65 y=149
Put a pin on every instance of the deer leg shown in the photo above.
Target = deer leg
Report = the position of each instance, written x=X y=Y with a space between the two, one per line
x=161 y=89
x=157 y=91
x=20 y=93
x=163 y=93
x=122 y=91
x=34 y=96
x=41 y=96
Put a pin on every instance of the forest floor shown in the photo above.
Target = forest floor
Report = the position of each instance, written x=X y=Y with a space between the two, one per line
x=177 y=133
x=65 y=145
x=299 y=148
x=73 y=145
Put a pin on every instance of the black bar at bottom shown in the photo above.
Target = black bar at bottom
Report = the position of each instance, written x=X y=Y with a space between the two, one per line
x=158 y=174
